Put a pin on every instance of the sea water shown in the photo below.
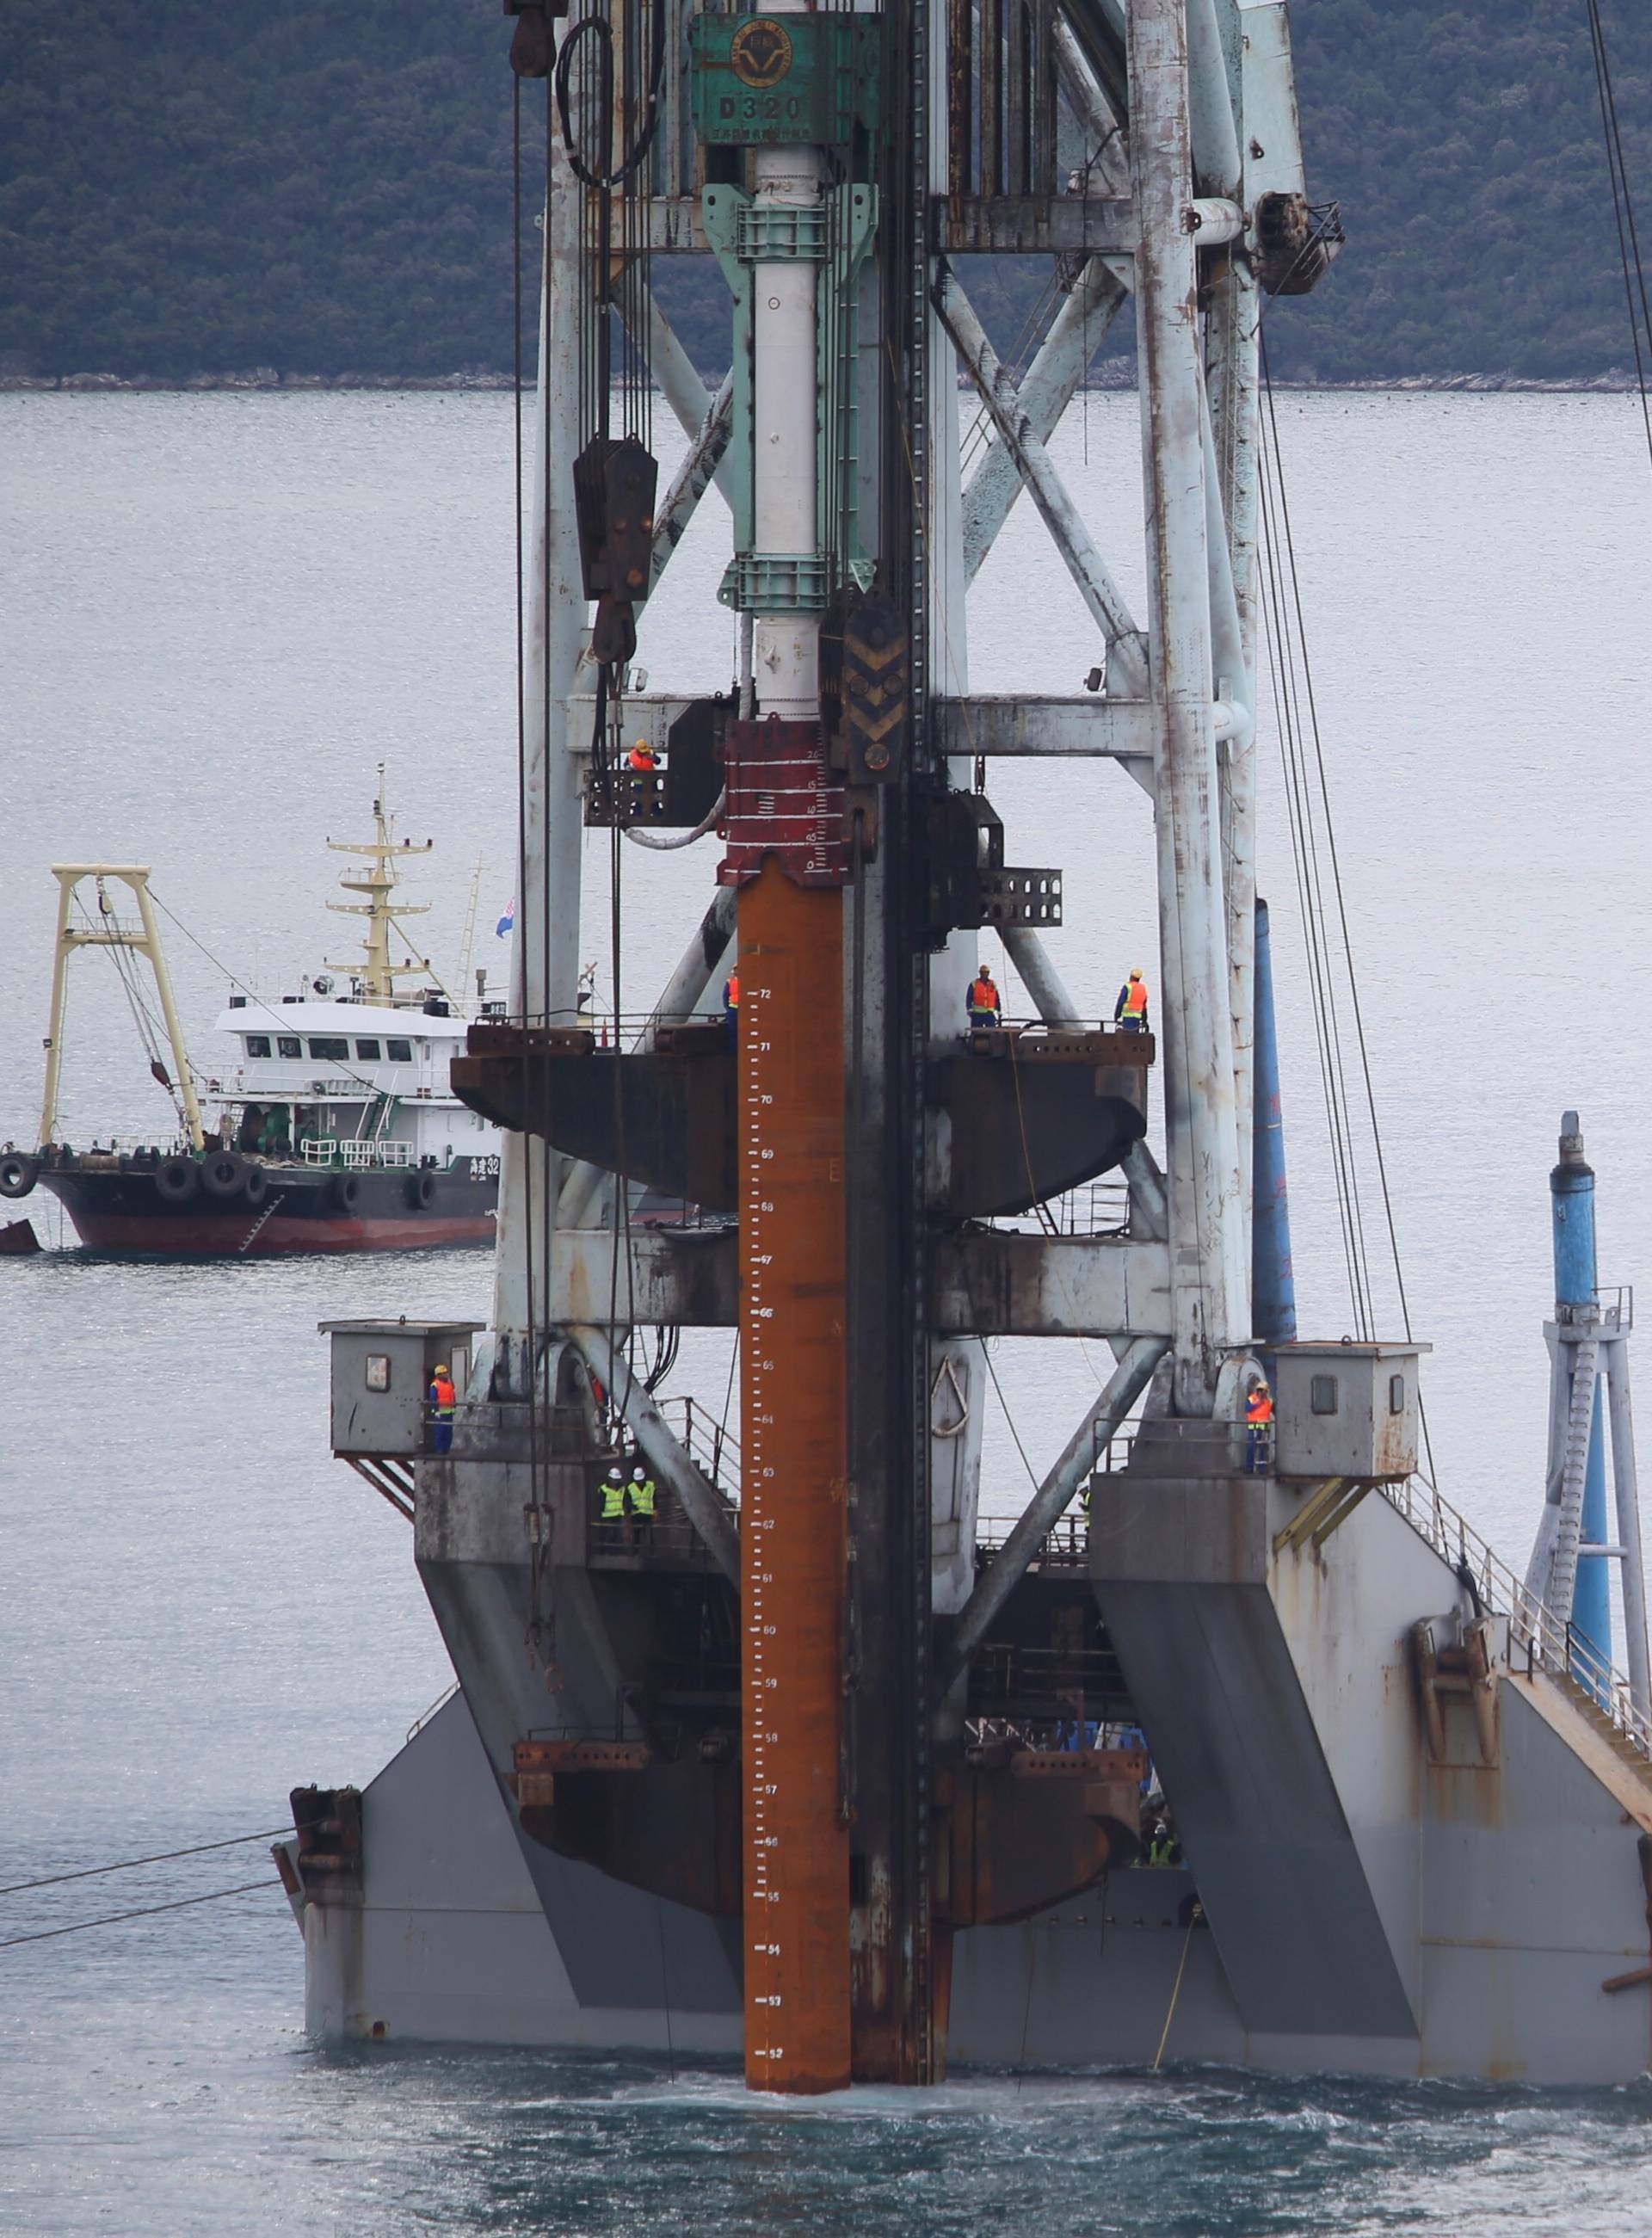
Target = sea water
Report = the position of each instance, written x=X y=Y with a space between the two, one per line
x=217 y=615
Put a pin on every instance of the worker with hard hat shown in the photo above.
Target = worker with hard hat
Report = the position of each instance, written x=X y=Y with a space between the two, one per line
x=641 y=1492
x=1130 y=1011
x=983 y=999
x=443 y=1400
x=613 y=1495
x=1258 y=1429
x=641 y=764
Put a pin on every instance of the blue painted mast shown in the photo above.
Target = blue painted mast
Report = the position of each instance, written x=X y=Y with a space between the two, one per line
x=1274 y=1290
x=1571 y=1188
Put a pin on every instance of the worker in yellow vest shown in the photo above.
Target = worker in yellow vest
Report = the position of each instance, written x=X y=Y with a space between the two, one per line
x=1130 y=1011
x=613 y=1496
x=641 y=1492
x=983 y=999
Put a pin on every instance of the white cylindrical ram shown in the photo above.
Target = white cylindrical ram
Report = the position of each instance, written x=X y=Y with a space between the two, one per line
x=785 y=411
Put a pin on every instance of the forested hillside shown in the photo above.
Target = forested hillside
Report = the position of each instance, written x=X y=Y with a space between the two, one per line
x=191 y=186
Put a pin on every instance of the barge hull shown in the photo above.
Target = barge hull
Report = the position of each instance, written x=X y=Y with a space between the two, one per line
x=125 y=1214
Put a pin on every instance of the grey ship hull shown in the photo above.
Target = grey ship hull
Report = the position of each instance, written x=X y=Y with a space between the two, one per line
x=1375 y=1906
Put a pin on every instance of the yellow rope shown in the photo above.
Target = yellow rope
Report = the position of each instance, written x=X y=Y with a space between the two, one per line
x=1193 y=1922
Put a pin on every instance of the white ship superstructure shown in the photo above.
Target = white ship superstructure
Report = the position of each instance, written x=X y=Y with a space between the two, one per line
x=324 y=1121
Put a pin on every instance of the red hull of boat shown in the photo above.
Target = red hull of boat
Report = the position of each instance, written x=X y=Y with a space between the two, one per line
x=215 y=1236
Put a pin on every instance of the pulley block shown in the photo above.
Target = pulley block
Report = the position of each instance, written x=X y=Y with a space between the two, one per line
x=614 y=484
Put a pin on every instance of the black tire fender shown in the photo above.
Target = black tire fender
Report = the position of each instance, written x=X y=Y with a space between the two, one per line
x=257 y=1184
x=421 y=1191
x=18 y=1172
x=346 y=1191
x=176 y=1180
x=223 y=1173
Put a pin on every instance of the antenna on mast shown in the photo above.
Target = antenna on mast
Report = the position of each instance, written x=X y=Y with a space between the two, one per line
x=378 y=881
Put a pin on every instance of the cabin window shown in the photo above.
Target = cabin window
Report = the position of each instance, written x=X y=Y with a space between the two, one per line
x=1397 y=1394
x=398 y=1052
x=367 y=1051
x=377 y=1371
x=1322 y=1394
x=289 y=1045
x=333 y=1047
x=258 y=1044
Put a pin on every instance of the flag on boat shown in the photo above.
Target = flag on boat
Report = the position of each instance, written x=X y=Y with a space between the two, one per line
x=507 y=922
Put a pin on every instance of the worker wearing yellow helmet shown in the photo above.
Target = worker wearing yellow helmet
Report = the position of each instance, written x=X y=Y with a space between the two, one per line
x=443 y=1400
x=1130 y=1011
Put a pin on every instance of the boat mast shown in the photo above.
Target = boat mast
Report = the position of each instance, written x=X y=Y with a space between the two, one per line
x=107 y=932
x=467 y=946
x=377 y=973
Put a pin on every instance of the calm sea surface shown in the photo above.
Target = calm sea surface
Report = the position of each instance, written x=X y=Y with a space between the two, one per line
x=216 y=614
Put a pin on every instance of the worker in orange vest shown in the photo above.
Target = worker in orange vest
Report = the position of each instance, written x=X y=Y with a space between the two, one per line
x=641 y=763
x=443 y=1400
x=983 y=999
x=1130 y=1011
x=1258 y=1429
x=732 y=1004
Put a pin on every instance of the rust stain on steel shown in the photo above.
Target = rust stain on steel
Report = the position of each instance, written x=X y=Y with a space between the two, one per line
x=793 y=1526
x=1028 y=1834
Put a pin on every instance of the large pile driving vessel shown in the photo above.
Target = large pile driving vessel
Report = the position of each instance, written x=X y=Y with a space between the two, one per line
x=782 y=1754
x=330 y=1122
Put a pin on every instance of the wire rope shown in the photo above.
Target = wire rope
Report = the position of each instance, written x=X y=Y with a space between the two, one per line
x=130 y=1865
x=1628 y=243
x=533 y=1640
x=150 y=1032
x=144 y=1911
x=1032 y=1477
x=257 y=1002
x=1308 y=899
x=1291 y=629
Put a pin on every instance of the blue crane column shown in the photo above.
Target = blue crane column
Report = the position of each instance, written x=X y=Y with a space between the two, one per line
x=1571 y=1187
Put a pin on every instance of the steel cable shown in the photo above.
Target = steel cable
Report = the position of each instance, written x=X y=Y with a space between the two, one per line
x=519 y=970
x=144 y=1911
x=1628 y=242
x=1287 y=620
x=130 y=1864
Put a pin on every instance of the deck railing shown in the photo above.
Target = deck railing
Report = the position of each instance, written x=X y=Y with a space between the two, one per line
x=356 y=1154
x=714 y=1448
x=1537 y=1638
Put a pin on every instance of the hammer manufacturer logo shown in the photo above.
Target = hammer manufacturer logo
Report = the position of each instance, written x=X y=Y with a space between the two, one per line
x=761 y=53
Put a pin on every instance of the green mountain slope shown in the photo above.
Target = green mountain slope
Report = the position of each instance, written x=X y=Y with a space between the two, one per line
x=187 y=187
